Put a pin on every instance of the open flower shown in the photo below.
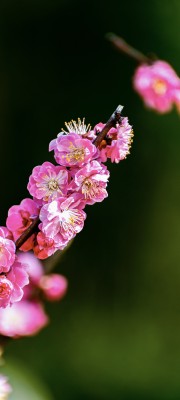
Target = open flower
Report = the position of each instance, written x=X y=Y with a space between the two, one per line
x=158 y=85
x=62 y=219
x=44 y=246
x=19 y=218
x=12 y=283
x=33 y=266
x=72 y=150
x=25 y=318
x=7 y=250
x=91 y=180
x=48 y=181
x=117 y=143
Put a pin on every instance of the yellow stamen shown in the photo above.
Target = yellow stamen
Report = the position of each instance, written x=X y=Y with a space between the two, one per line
x=159 y=86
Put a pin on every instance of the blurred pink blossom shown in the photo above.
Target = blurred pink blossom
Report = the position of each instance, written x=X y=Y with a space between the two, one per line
x=5 y=388
x=158 y=85
x=22 y=319
x=54 y=286
x=12 y=283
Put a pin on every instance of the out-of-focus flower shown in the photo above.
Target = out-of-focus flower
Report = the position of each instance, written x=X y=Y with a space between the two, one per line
x=158 y=85
x=22 y=319
x=12 y=283
x=32 y=265
x=20 y=218
x=5 y=388
x=48 y=181
x=54 y=286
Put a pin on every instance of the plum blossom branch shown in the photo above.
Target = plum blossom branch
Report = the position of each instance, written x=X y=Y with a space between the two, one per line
x=48 y=222
x=113 y=120
x=111 y=123
x=124 y=47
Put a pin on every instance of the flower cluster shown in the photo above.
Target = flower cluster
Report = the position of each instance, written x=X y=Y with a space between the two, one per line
x=158 y=85
x=56 y=212
x=13 y=276
x=61 y=192
x=27 y=317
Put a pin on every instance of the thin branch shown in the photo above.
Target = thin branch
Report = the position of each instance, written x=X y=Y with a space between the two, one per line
x=124 y=47
x=27 y=233
x=113 y=120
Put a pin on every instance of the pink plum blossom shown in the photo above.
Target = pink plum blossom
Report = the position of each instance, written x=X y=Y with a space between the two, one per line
x=54 y=286
x=25 y=318
x=5 y=388
x=72 y=150
x=4 y=232
x=48 y=181
x=7 y=250
x=120 y=147
x=98 y=128
x=91 y=180
x=117 y=144
x=45 y=246
x=20 y=218
x=158 y=85
x=12 y=283
x=62 y=219
x=33 y=266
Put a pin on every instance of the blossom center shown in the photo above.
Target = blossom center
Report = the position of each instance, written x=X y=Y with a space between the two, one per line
x=159 y=86
x=89 y=188
x=5 y=290
x=25 y=219
x=69 y=219
x=76 y=153
x=53 y=185
x=78 y=127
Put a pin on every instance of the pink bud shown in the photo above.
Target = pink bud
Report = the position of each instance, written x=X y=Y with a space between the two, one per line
x=54 y=286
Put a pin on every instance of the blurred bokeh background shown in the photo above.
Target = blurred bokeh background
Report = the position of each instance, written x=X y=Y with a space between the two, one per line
x=116 y=335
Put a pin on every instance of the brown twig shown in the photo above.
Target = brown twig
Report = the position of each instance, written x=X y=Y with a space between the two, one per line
x=113 y=120
x=124 y=47
x=27 y=233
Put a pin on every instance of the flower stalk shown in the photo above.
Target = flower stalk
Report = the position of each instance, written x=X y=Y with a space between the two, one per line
x=124 y=47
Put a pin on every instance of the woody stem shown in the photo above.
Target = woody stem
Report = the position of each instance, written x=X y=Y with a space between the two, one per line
x=124 y=47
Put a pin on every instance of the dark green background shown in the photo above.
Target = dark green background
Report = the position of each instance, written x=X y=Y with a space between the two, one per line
x=116 y=335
